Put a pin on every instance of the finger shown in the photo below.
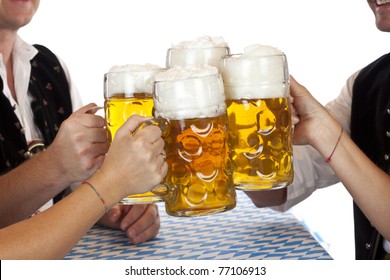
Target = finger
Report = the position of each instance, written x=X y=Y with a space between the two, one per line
x=146 y=226
x=89 y=120
x=131 y=124
x=132 y=216
x=164 y=169
x=297 y=89
x=96 y=135
x=149 y=233
x=152 y=133
x=85 y=109
x=114 y=215
x=111 y=218
x=93 y=110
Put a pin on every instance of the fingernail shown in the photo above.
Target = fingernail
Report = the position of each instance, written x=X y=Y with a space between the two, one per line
x=130 y=234
x=124 y=226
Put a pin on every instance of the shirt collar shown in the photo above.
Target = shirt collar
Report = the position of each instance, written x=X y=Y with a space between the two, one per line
x=23 y=50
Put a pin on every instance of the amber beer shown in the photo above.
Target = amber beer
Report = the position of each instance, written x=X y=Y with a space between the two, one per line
x=260 y=138
x=199 y=170
x=128 y=91
x=260 y=129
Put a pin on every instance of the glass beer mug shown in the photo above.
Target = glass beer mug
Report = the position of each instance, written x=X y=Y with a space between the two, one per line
x=203 y=50
x=129 y=90
x=199 y=178
x=260 y=131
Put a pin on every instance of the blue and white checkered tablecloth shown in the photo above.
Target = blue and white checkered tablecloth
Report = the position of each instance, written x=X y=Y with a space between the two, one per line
x=246 y=232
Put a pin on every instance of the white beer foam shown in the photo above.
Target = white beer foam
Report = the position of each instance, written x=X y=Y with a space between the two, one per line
x=202 y=42
x=203 y=50
x=132 y=78
x=257 y=73
x=260 y=50
x=189 y=92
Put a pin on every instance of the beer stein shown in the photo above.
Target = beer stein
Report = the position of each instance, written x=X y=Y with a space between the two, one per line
x=260 y=131
x=199 y=178
x=129 y=90
x=203 y=50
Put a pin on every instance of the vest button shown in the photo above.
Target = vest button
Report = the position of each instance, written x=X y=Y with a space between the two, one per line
x=388 y=133
x=387 y=157
x=368 y=246
x=388 y=111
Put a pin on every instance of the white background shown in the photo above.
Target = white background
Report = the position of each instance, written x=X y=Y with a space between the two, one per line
x=325 y=42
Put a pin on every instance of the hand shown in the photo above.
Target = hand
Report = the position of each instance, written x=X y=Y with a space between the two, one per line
x=80 y=146
x=312 y=117
x=134 y=163
x=140 y=222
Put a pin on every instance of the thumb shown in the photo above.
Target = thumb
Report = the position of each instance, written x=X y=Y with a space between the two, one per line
x=297 y=90
x=131 y=124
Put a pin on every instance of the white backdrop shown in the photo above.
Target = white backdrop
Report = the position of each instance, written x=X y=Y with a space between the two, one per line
x=324 y=41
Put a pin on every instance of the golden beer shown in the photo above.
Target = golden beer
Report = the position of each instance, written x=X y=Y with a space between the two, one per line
x=119 y=108
x=128 y=90
x=260 y=131
x=199 y=174
x=260 y=142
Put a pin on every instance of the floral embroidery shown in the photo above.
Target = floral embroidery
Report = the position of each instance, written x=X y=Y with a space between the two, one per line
x=57 y=69
x=61 y=110
x=49 y=86
x=32 y=79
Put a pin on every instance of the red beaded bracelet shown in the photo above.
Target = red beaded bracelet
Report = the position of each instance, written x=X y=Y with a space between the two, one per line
x=328 y=159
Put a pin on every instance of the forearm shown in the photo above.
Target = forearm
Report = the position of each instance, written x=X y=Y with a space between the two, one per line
x=53 y=233
x=27 y=187
x=368 y=185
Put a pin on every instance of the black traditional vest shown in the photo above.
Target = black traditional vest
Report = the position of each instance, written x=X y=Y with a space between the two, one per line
x=51 y=105
x=370 y=130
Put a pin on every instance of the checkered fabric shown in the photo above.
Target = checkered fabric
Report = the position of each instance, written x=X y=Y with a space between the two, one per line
x=244 y=233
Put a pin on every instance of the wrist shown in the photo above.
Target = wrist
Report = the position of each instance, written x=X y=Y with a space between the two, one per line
x=47 y=164
x=108 y=188
x=327 y=137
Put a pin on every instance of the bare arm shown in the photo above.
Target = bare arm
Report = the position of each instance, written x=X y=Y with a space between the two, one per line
x=51 y=234
x=368 y=184
x=75 y=154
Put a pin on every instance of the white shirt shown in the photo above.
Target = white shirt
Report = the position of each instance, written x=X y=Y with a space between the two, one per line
x=310 y=169
x=22 y=54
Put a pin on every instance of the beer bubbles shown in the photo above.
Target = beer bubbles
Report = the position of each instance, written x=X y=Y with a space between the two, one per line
x=257 y=88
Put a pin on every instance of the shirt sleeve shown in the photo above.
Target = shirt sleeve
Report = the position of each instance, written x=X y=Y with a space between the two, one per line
x=77 y=102
x=311 y=172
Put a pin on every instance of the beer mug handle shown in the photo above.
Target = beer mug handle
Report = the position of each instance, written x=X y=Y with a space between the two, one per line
x=160 y=189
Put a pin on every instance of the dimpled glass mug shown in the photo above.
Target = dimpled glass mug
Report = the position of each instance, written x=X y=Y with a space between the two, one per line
x=128 y=90
x=199 y=178
x=203 y=50
x=260 y=131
